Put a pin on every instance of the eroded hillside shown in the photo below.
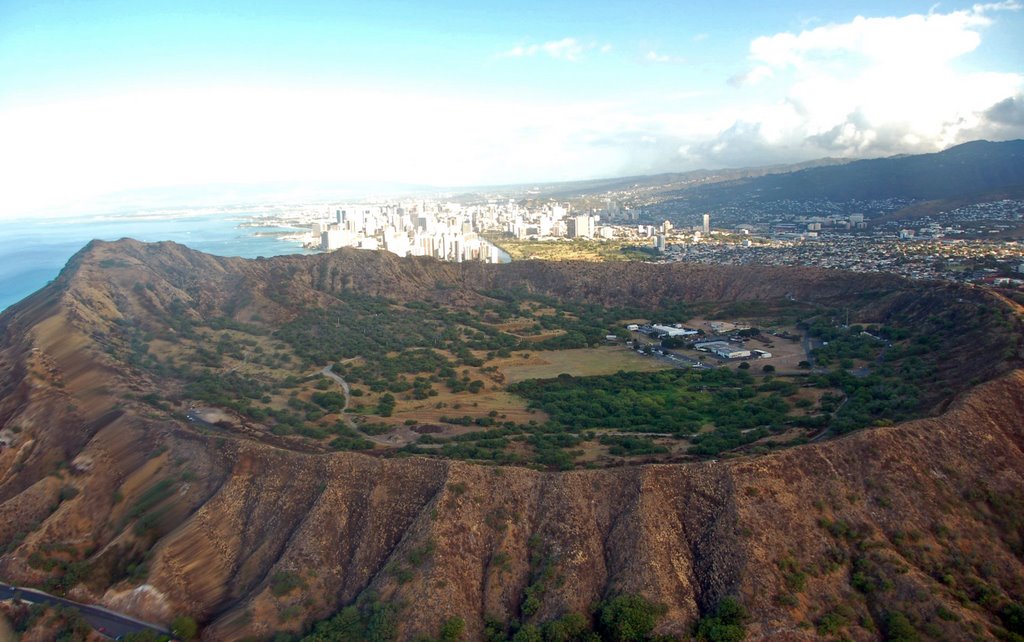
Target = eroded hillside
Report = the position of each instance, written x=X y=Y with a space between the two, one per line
x=115 y=500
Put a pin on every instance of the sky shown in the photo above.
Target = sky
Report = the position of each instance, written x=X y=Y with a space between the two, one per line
x=103 y=98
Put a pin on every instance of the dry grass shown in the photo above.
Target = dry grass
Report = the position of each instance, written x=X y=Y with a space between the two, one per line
x=508 y=406
x=579 y=363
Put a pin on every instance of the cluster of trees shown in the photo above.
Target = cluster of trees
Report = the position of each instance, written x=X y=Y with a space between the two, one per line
x=870 y=400
x=369 y=620
x=844 y=344
x=62 y=622
x=679 y=402
x=229 y=389
x=621 y=618
x=623 y=445
x=362 y=325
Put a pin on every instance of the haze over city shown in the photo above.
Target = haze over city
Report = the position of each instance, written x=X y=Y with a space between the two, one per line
x=101 y=99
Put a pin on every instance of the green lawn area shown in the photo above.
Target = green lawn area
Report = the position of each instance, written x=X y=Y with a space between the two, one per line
x=580 y=362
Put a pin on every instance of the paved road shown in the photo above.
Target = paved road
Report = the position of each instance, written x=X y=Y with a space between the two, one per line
x=399 y=437
x=330 y=373
x=107 y=622
x=194 y=418
x=828 y=429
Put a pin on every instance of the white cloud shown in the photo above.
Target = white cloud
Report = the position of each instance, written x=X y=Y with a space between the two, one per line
x=846 y=89
x=565 y=49
x=68 y=154
x=660 y=58
x=752 y=77
x=871 y=86
x=906 y=41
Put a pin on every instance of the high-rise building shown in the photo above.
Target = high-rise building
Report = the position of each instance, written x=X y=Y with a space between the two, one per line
x=332 y=239
x=706 y=227
x=581 y=226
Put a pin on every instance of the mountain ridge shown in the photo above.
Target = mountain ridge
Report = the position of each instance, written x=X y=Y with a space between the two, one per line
x=971 y=168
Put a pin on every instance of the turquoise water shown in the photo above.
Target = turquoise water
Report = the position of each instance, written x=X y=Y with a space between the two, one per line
x=32 y=253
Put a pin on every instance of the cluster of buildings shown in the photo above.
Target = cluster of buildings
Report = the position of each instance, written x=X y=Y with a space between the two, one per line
x=795 y=215
x=454 y=231
x=945 y=259
x=406 y=229
x=721 y=345
x=782 y=232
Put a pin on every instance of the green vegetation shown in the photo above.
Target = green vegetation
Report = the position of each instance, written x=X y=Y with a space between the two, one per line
x=898 y=610
x=407 y=360
x=573 y=249
x=284 y=582
x=898 y=628
x=725 y=624
x=623 y=618
x=832 y=622
x=60 y=623
x=628 y=618
x=148 y=509
x=62 y=559
x=145 y=636
x=367 y=621
x=675 y=402
x=184 y=628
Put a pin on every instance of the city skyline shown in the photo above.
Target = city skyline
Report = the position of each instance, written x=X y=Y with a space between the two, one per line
x=107 y=98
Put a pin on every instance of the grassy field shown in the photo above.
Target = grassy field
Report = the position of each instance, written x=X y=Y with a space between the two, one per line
x=571 y=250
x=579 y=363
x=508 y=407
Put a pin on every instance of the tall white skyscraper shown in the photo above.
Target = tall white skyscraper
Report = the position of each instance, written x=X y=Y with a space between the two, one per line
x=706 y=227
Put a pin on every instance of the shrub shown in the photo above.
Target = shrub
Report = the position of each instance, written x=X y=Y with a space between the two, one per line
x=899 y=629
x=184 y=627
x=284 y=582
x=726 y=624
x=628 y=618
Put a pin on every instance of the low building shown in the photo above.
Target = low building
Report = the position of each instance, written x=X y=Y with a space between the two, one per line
x=725 y=326
x=731 y=352
x=710 y=346
x=761 y=354
x=673 y=331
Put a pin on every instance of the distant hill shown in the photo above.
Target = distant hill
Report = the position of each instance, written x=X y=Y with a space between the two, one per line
x=972 y=168
x=652 y=184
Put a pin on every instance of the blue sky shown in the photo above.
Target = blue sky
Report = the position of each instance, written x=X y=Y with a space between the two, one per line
x=103 y=97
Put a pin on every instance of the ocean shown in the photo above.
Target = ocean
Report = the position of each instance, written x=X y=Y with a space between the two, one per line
x=32 y=253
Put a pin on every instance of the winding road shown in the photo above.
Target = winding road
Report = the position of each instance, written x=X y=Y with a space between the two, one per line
x=327 y=372
x=109 y=623
x=399 y=437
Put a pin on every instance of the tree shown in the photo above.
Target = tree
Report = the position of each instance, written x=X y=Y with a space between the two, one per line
x=899 y=629
x=386 y=404
x=529 y=633
x=745 y=365
x=452 y=629
x=628 y=618
x=768 y=368
x=1012 y=615
x=726 y=624
x=184 y=627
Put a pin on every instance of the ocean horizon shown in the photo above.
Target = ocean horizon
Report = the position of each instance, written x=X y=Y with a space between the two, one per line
x=33 y=252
